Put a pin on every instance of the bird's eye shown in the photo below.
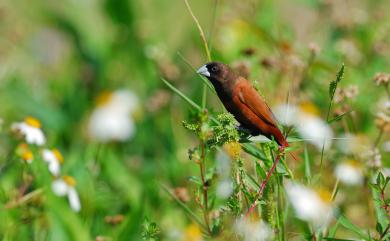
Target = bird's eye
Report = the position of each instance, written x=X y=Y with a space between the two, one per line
x=214 y=69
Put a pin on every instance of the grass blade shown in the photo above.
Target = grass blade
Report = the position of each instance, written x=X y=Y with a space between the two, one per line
x=307 y=165
x=352 y=227
x=183 y=96
x=186 y=209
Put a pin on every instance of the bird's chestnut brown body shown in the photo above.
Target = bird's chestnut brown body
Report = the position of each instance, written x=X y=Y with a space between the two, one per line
x=241 y=99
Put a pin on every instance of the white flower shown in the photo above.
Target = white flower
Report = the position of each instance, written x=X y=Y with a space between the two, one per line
x=223 y=163
x=309 y=205
x=54 y=160
x=309 y=126
x=353 y=144
x=30 y=128
x=224 y=188
x=111 y=120
x=349 y=173
x=386 y=146
x=66 y=187
x=253 y=231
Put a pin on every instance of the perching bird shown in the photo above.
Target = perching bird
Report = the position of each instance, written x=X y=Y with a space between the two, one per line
x=242 y=100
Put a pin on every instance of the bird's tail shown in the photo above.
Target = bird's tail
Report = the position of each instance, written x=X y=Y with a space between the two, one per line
x=280 y=139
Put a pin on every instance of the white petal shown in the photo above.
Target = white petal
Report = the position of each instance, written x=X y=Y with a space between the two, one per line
x=59 y=187
x=286 y=114
x=223 y=163
x=125 y=101
x=74 y=200
x=253 y=231
x=224 y=188
x=106 y=125
x=32 y=134
x=308 y=205
x=349 y=174
x=54 y=168
x=315 y=131
x=48 y=156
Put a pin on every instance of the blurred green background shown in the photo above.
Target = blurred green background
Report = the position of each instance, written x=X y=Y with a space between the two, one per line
x=57 y=57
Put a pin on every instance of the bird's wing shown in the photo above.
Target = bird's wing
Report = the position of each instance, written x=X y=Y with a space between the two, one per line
x=249 y=97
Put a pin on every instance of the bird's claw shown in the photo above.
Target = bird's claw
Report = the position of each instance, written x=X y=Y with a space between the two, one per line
x=243 y=129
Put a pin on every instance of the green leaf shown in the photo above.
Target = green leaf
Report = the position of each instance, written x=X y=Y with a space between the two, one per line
x=253 y=151
x=332 y=230
x=254 y=183
x=379 y=228
x=381 y=214
x=387 y=181
x=352 y=227
x=183 y=96
x=380 y=180
x=307 y=165
x=195 y=180
x=205 y=81
x=185 y=207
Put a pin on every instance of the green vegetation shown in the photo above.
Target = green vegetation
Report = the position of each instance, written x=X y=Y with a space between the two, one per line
x=107 y=132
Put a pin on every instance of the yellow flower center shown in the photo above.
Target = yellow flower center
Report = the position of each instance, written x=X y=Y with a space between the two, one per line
x=70 y=181
x=192 y=233
x=354 y=164
x=27 y=155
x=103 y=98
x=233 y=149
x=32 y=122
x=58 y=155
x=24 y=152
x=309 y=108
x=325 y=195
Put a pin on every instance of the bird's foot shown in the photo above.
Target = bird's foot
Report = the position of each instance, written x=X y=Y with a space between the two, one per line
x=240 y=128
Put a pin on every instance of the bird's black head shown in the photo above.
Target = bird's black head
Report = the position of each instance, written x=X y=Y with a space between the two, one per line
x=216 y=72
x=220 y=75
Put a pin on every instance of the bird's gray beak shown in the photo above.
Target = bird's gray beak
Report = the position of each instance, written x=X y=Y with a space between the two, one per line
x=203 y=71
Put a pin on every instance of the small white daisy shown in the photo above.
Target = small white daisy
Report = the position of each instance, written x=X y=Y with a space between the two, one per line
x=111 y=120
x=349 y=173
x=309 y=125
x=30 y=129
x=224 y=188
x=309 y=205
x=253 y=231
x=54 y=160
x=66 y=187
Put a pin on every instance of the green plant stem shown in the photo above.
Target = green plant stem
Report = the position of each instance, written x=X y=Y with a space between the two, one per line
x=263 y=184
x=24 y=199
x=201 y=32
x=202 y=166
x=384 y=232
x=205 y=81
x=269 y=207
x=378 y=139
x=187 y=209
x=280 y=224
x=335 y=188
x=206 y=47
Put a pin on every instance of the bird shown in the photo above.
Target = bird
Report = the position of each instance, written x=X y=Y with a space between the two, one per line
x=242 y=100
